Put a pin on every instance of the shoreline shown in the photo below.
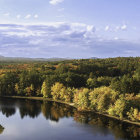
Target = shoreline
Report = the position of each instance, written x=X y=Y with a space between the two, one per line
x=72 y=105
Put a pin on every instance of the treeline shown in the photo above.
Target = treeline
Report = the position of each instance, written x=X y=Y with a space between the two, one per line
x=103 y=99
x=109 y=86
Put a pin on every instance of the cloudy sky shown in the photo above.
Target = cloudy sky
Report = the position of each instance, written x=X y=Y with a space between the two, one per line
x=69 y=28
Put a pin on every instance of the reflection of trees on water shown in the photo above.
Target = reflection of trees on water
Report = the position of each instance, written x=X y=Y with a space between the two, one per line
x=29 y=108
x=1 y=129
x=7 y=108
x=54 y=111
x=50 y=110
x=102 y=124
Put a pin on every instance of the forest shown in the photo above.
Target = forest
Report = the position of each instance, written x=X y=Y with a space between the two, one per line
x=110 y=86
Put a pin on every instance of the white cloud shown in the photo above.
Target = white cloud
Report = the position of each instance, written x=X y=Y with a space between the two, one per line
x=35 y=42
x=56 y=39
x=107 y=28
x=28 y=16
x=18 y=16
x=124 y=27
x=116 y=38
x=4 y=28
x=55 y=2
x=36 y=16
x=91 y=28
x=7 y=14
x=19 y=34
x=89 y=32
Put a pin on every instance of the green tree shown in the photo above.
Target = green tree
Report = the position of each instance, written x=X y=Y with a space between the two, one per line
x=92 y=83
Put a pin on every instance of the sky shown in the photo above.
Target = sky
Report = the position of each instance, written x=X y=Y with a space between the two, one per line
x=69 y=28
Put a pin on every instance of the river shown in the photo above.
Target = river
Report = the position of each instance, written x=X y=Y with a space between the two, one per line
x=22 y=119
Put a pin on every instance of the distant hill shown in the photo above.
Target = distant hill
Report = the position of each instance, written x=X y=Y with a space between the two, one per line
x=93 y=58
x=2 y=58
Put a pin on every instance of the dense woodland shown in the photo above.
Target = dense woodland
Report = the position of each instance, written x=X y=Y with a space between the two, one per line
x=109 y=86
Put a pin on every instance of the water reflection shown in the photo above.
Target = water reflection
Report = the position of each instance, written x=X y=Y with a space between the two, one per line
x=7 y=108
x=1 y=129
x=54 y=111
x=118 y=129
x=29 y=108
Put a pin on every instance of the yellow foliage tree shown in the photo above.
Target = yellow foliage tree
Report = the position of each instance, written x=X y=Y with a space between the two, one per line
x=58 y=91
x=81 y=98
x=101 y=98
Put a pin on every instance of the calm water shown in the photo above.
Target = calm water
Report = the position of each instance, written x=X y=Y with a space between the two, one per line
x=37 y=120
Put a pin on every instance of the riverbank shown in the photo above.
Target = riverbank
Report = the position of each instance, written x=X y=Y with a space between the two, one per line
x=40 y=99
x=72 y=105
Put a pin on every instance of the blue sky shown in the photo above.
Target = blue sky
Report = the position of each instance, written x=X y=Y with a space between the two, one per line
x=69 y=28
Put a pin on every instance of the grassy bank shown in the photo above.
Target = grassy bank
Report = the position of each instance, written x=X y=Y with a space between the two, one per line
x=72 y=105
